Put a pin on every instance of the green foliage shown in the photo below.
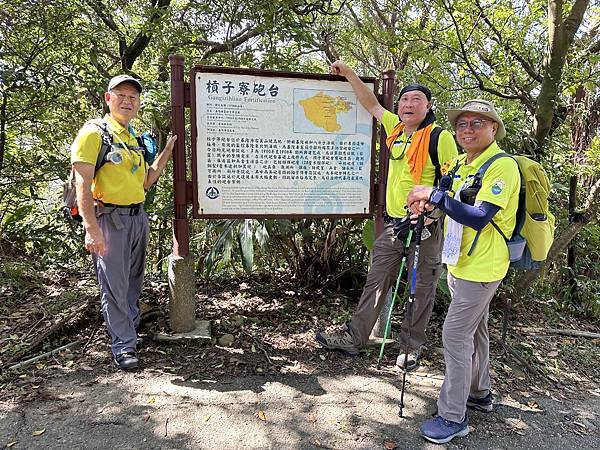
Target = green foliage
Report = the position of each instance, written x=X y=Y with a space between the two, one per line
x=56 y=58
x=368 y=234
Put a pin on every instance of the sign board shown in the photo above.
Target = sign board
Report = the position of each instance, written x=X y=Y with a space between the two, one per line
x=278 y=144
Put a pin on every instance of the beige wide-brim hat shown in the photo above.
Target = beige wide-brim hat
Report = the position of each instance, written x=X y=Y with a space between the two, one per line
x=481 y=107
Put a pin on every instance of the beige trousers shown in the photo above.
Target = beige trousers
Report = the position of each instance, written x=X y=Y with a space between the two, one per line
x=387 y=256
x=466 y=346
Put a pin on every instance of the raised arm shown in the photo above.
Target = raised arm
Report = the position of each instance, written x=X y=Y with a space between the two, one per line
x=365 y=96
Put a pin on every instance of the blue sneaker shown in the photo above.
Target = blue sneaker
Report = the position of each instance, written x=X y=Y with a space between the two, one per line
x=440 y=430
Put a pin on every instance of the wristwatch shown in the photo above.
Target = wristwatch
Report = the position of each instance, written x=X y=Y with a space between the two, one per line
x=437 y=196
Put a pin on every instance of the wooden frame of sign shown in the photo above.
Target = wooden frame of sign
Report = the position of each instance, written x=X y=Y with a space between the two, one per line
x=269 y=144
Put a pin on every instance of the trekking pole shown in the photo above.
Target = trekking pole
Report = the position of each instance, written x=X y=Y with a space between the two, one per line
x=411 y=299
x=388 y=322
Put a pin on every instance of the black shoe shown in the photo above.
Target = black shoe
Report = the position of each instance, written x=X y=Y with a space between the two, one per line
x=484 y=404
x=126 y=361
x=139 y=342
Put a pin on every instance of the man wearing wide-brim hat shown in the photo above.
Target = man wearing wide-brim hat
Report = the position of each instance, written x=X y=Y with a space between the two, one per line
x=476 y=256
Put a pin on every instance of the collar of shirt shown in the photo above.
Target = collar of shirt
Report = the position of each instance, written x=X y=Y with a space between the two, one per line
x=484 y=156
x=117 y=128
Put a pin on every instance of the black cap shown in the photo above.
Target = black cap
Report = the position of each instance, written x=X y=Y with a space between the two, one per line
x=416 y=87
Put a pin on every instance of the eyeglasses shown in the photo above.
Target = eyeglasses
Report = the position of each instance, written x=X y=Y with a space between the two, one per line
x=476 y=124
x=123 y=97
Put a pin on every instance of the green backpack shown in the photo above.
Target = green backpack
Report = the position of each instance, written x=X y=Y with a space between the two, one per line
x=533 y=234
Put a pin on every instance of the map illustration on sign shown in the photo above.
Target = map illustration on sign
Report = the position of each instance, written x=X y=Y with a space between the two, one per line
x=324 y=112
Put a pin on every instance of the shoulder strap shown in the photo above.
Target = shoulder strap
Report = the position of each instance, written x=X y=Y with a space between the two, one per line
x=478 y=176
x=489 y=162
x=106 y=143
x=434 y=139
x=521 y=205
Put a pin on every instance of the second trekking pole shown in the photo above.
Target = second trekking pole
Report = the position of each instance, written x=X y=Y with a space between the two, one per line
x=409 y=305
x=388 y=322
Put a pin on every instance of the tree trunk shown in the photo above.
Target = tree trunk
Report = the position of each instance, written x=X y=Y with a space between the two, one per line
x=560 y=36
x=3 y=120
x=572 y=276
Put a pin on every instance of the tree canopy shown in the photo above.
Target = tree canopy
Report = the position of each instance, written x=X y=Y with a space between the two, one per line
x=537 y=60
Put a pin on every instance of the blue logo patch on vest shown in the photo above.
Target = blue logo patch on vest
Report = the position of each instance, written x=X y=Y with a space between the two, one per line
x=497 y=186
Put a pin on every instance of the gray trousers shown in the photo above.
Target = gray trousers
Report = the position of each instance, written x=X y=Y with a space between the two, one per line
x=387 y=256
x=120 y=273
x=466 y=346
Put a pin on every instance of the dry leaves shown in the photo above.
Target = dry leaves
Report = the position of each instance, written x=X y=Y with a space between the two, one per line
x=518 y=425
x=38 y=432
x=390 y=445
x=261 y=415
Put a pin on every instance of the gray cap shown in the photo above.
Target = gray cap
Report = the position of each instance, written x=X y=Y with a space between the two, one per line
x=481 y=107
x=115 y=81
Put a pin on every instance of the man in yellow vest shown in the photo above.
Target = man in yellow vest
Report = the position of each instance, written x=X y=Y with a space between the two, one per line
x=408 y=134
x=111 y=204
x=477 y=258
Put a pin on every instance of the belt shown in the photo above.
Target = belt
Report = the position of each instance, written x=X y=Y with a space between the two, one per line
x=122 y=210
x=389 y=219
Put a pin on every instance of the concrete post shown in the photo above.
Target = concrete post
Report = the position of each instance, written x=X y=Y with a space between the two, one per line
x=182 y=287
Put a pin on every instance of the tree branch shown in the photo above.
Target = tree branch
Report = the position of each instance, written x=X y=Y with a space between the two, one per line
x=472 y=69
x=561 y=36
x=241 y=38
x=380 y=15
x=526 y=65
x=130 y=53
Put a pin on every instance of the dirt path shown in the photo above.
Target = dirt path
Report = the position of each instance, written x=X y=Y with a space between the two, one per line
x=156 y=409
x=263 y=382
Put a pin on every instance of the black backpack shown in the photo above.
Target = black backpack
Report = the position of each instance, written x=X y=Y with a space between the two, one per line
x=70 y=209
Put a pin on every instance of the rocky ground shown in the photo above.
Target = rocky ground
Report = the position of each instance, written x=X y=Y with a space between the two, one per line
x=264 y=383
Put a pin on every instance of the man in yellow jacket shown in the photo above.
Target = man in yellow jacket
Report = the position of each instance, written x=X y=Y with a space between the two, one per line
x=477 y=258
x=111 y=204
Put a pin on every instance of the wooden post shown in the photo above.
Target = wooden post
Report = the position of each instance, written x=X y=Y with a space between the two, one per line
x=182 y=283
x=181 y=231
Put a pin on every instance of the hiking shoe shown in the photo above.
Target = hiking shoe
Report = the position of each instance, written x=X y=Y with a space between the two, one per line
x=341 y=340
x=484 y=404
x=126 y=361
x=440 y=430
x=413 y=359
